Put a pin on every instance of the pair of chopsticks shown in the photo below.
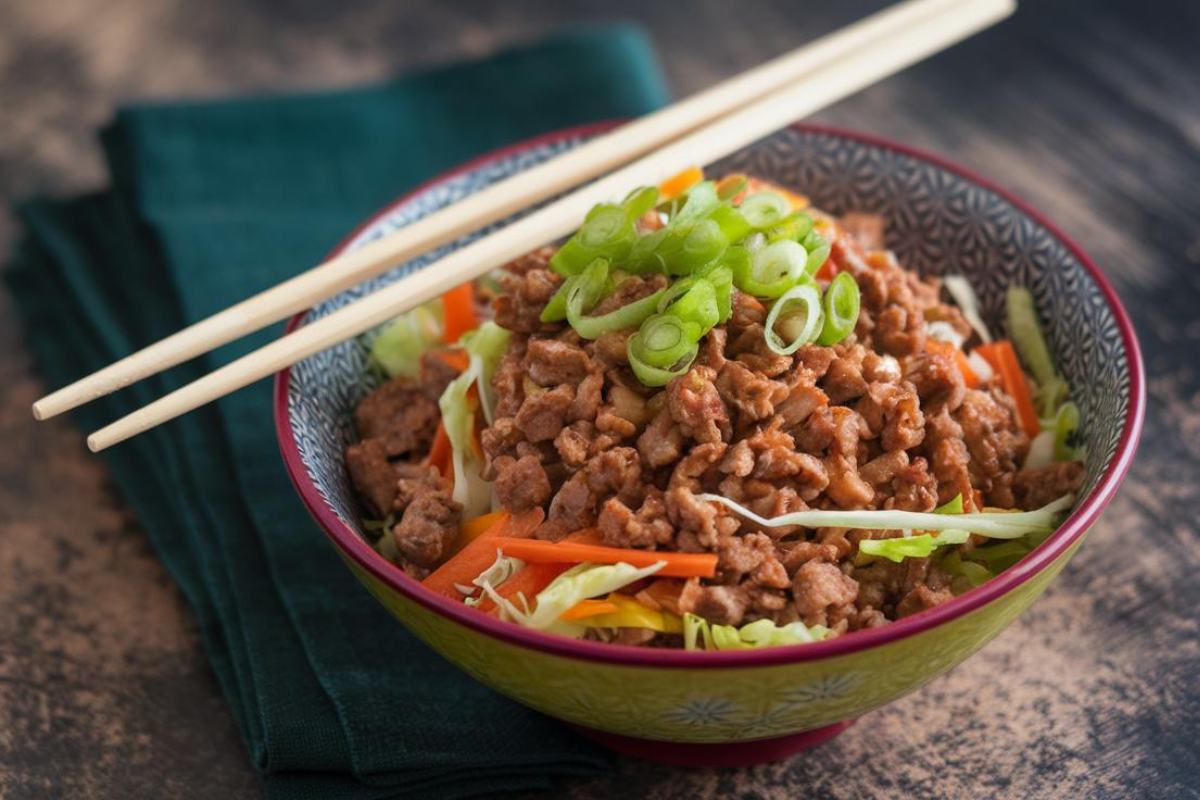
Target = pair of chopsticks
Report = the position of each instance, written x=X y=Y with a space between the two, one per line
x=698 y=130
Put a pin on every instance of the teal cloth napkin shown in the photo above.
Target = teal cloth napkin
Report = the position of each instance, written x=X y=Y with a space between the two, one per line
x=209 y=203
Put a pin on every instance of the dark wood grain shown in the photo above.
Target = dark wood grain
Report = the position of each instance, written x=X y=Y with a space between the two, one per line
x=1090 y=110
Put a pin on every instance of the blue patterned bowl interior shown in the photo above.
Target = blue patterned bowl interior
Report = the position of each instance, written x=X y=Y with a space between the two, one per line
x=938 y=222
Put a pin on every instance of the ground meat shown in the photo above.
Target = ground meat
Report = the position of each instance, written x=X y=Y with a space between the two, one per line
x=647 y=527
x=573 y=443
x=630 y=290
x=892 y=412
x=429 y=524
x=1035 y=488
x=920 y=599
x=819 y=587
x=695 y=404
x=519 y=308
x=551 y=362
x=662 y=441
x=720 y=605
x=542 y=416
x=844 y=379
x=521 y=484
x=937 y=379
x=572 y=509
x=752 y=395
x=374 y=477
x=993 y=437
x=401 y=415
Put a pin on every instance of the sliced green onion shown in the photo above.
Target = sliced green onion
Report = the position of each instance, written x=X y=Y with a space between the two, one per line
x=696 y=306
x=644 y=255
x=639 y=201
x=797 y=315
x=701 y=201
x=556 y=309
x=995 y=525
x=772 y=270
x=841 y=309
x=795 y=227
x=608 y=231
x=818 y=249
x=764 y=209
x=629 y=315
x=721 y=278
x=702 y=245
x=662 y=341
x=731 y=222
x=657 y=376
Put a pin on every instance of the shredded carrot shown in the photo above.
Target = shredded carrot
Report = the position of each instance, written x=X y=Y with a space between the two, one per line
x=455 y=358
x=480 y=553
x=588 y=608
x=960 y=360
x=678 y=565
x=458 y=311
x=472 y=529
x=439 y=453
x=678 y=184
x=964 y=367
x=1001 y=356
x=535 y=577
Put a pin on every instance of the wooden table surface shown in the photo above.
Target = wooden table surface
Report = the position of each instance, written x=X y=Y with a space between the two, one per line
x=1090 y=110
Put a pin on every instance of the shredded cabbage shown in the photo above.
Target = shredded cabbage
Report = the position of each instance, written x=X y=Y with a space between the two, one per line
x=919 y=546
x=485 y=346
x=943 y=331
x=581 y=582
x=763 y=633
x=503 y=568
x=398 y=348
x=996 y=525
x=960 y=289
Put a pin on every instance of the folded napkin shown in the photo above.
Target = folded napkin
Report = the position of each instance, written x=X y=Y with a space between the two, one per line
x=209 y=203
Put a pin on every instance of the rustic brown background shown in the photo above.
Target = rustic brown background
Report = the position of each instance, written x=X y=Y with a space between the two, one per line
x=1091 y=110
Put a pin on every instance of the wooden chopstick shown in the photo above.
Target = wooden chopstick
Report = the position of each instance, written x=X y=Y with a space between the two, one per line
x=496 y=202
x=883 y=56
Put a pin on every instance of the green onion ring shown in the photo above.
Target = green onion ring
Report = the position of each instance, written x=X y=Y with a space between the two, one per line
x=764 y=209
x=809 y=298
x=657 y=376
x=662 y=340
x=841 y=309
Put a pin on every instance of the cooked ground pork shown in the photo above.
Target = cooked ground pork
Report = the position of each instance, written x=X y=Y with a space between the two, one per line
x=882 y=420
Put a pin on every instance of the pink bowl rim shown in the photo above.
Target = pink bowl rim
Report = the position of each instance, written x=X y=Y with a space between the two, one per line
x=351 y=545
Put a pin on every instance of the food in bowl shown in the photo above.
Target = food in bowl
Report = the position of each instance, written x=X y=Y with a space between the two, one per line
x=714 y=418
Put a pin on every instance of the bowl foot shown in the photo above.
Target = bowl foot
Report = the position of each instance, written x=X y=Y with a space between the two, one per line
x=724 y=754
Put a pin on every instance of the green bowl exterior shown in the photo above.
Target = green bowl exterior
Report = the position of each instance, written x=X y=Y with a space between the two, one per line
x=688 y=704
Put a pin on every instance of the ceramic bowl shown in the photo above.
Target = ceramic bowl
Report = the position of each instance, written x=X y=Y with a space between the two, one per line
x=745 y=706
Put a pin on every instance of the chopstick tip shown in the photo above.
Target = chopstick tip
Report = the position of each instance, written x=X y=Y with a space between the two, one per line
x=39 y=411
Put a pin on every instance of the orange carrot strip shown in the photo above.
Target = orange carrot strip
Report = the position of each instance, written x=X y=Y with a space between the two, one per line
x=1003 y=359
x=960 y=360
x=588 y=608
x=473 y=528
x=458 y=312
x=678 y=184
x=440 y=452
x=455 y=358
x=678 y=565
x=480 y=553
x=535 y=577
x=964 y=367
